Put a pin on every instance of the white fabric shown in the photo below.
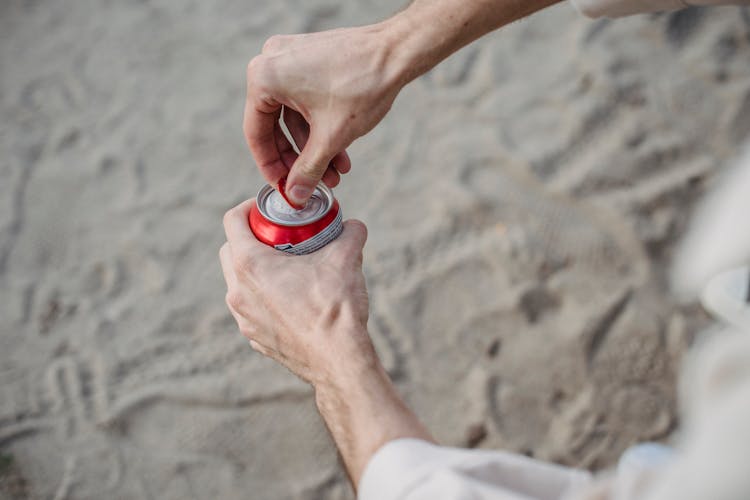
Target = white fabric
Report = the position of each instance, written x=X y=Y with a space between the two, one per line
x=412 y=469
x=617 y=8
x=715 y=458
x=711 y=464
x=715 y=243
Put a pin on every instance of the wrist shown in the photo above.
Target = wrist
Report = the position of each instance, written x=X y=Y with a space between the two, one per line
x=363 y=411
x=428 y=31
x=349 y=358
x=409 y=45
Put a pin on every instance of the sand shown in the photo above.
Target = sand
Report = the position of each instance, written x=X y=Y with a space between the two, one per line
x=523 y=199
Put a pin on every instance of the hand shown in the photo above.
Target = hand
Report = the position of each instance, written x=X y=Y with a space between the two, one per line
x=333 y=87
x=308 y=312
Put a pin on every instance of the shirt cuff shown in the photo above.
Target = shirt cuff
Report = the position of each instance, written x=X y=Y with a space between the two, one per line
x=396 y=468
x=403 y=465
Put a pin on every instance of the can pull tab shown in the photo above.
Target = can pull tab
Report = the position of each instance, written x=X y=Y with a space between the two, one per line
x=282 y=190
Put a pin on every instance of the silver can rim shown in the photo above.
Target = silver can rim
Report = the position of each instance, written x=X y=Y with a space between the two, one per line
x=266 y=191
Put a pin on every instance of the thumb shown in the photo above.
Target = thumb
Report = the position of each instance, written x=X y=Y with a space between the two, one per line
x=353 y=237
x=308 y=169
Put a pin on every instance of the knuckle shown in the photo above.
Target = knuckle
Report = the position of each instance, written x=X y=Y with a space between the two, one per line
x=260 y=349
x=259 y=80
x=310 y=170
x=227 y=217
x=234 y=300
x=257 y=66
x=252 y=66
x=313 y=170
x=247 y=331
x=273 y=43
x=359 y=225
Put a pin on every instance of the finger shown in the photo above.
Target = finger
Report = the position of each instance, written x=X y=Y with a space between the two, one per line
x=270 y=352
x=275 y=44
x=297 y=126
x=234 y=301
x=259 y=348
x=225 y=259
x=331 y=177
x=245 y=325
x=342 y=162
x=300 y=130
x=235 y=314
x=353 y=237
x=266 y=351
x=260 y=134
x=286 y=151
x=309 y=168
x=259 y=121
x=227 y=268
x=240 y=237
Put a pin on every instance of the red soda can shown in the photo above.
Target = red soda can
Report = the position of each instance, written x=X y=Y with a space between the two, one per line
x=276 y=223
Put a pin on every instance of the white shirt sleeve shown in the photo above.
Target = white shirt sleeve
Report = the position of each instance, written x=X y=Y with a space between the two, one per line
x=617 y=8
x=412 y=469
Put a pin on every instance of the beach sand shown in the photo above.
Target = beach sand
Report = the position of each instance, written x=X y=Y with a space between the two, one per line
x=523 y=202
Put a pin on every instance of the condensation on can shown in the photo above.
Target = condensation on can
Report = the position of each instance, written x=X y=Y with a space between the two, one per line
x=298 y=232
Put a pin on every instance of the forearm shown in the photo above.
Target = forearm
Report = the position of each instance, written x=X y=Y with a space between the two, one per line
x=363 y=411
x=429 y=31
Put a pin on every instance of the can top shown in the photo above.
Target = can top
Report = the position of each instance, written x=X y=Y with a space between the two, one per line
x=274 y=208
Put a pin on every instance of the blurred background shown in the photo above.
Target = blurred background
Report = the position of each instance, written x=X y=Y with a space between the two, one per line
x=523 y=199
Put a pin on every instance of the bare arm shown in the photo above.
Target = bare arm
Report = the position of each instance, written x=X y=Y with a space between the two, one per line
x=310 y=313
x=429 y=31
x=365 y=412
x=335 y=86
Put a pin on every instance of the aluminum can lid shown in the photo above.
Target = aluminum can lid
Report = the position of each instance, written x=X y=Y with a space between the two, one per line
x=274 y=208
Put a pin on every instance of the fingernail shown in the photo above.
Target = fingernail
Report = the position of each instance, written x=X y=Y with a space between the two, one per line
x=301 y=193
